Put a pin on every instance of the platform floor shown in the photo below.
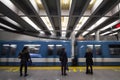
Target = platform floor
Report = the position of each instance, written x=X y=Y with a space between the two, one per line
x=54 y=73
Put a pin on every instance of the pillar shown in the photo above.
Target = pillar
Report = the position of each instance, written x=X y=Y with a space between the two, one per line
x=97 y=35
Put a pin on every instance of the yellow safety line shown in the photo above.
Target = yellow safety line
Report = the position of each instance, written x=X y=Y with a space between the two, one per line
x=58 y=68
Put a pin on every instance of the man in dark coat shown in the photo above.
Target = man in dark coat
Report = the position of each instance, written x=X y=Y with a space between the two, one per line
x=64 y=60
x=25 y=57
x=89 y=61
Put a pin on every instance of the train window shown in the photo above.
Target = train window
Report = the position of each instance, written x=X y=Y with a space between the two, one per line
x=8 y=48
x=98 y=49
x=114 y=49
x=90 y=47
x=33 y=48
x=50 y=49
x=5 y=49
x=58 y=49
x=13 y=49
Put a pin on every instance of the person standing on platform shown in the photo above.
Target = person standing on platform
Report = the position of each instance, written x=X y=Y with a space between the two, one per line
x=64 y=60
x=89 y=61
x=25 y=58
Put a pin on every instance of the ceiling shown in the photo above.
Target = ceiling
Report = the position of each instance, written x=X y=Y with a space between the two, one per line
x=60 y=18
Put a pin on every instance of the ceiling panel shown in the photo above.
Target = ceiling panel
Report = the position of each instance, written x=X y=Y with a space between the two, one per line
x=44 y=18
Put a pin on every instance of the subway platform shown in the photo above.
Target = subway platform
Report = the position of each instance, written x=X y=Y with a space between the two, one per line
x=54 y=73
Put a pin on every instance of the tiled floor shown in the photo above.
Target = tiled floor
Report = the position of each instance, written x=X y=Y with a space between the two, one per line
x=10 y=73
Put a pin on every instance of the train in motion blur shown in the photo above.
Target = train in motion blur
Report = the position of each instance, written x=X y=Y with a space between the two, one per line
x=46 y=52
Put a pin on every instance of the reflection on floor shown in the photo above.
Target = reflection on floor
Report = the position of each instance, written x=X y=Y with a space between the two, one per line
x=54 y=73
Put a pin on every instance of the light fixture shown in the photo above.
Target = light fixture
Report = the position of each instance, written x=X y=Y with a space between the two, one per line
x=80 y=24
x=11 y=21
x=64 y=22
x=7 y=27
x=110 y=25
x=31 y=23
x=110 y=31
x=113 y=34
x=47 y=23
x=110 y=13
x=39 y=3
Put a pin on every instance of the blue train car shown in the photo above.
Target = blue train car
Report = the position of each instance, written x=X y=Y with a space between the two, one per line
x=46 y=53
x=43 y=53
x=104 y=52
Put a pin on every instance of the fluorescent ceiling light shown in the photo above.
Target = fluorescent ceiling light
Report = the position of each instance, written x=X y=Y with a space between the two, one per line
x=113 y=34
x=45 y=19
x=31 y=23
x=80 y=24
x=47 y=23
x=95 y=25
x=63 y=33
x=40 y=6
x=110 y=31
x=92 y=2
x=114 y=10
x=65 y=4
x=97 y=3
x=10 y=5
x=11 y=21
x=7 y=27
x=98 y=23
x=39 y=3
x=105 y=33
x=65 y=8
x=110 y=25
x=34 y=5
x=64 y=22
x=65 y=1
x=92 y=34
x=84 y=33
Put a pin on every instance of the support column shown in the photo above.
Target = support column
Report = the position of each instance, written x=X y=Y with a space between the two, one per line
x=97 y=35
x=118 y=36
x=72 y=43
x=74 y=56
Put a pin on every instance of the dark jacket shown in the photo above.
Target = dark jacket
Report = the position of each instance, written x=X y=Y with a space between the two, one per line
x=63 y=58
x=25 y=57
x=88 y=57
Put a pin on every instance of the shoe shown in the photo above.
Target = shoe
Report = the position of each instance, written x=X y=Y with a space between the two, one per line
x=91 y=73
x=20 y=75
x=86 y=72
x=65 y=74
x=25 y=75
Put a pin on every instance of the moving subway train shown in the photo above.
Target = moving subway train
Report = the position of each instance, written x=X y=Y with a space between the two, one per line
x=46 y=53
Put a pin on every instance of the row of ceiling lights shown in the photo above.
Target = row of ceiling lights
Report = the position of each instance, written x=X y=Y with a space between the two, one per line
x=66 y=5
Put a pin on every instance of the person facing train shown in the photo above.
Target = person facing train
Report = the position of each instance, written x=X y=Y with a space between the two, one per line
x=25 y=58
x=89 y=61
x=64 y=60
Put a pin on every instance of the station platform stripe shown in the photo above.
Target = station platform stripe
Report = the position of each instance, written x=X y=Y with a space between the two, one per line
x=58 y=67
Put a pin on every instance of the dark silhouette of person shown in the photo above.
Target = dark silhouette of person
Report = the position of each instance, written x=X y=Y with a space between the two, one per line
x=25 y=57
x=89 y=61
x=64 y=60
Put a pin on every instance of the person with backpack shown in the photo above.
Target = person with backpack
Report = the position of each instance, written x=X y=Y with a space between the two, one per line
x=64 y=60
x=25 y=58
x=89 y=61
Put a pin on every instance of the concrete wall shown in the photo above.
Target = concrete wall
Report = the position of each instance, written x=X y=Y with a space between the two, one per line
x=14 y=36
